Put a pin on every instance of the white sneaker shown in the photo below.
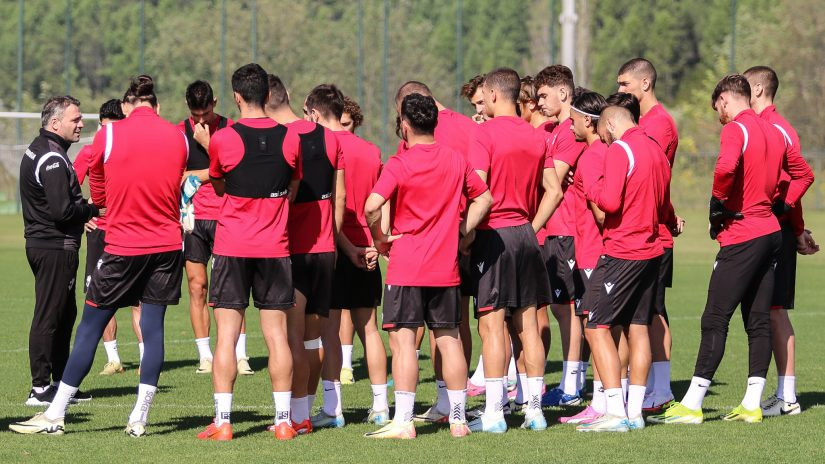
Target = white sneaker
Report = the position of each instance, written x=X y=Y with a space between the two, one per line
x=39 y=424
x=774 y=406
x=205 y=366
x=135 y=429
x=243 y=367
x=431 y=415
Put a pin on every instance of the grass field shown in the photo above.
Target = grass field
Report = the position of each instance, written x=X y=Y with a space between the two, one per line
x=184 y=403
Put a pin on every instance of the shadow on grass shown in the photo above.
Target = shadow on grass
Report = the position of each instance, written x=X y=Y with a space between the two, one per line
x=200 y=421
x=112 y=392
x=810 y=399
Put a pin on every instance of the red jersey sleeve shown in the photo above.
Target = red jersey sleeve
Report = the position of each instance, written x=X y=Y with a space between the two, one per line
x=801 y=174
x=216 y=147
x=795 y=217
x=616 y=164
x=591 y=174
x=566 y=149
x=480 y=150
x=97 y=176
x=81 y=164
x=731 y=145
x=473 y=185
x=292 y=152
x=388 y=181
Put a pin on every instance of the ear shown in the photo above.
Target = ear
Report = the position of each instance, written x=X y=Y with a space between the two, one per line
x=757 y=89
x=645 y=85
x=157 y=109
x=563 y=94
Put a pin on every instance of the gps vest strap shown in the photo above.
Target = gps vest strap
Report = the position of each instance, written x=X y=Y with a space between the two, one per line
x=318 y=172
x=263 y=171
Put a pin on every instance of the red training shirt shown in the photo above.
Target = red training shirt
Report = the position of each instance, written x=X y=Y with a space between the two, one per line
x=81 y=168
x=631 y=195
x=311 y=223
x=424 y=185
x=544 y=129
x=251 y=227
x=512 y=153
x=588 y=239
x=659 y=125
x=207 y=203
x=363 y=160
x=141 y=159
x=796 y=175
x=565 y=148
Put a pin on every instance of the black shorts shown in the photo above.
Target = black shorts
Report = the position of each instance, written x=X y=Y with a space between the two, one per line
x=95 y=242
x=269 y=279
x=560 y=259
x=410 y=307
x=197 y=245
x=665 y=280
x=625 y=291
x=583 y=304
x=466 y=275
x=508 y=270
x=312 y=275
x=120 y=281
x=784 y=287
x=353 y=287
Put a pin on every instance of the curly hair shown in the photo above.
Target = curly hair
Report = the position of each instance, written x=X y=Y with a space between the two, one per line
x=352 y=108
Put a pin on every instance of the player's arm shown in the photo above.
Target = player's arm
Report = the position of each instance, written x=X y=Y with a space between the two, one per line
x=731 y=144
x=550 y=200
x=374 y=209
x=479 y=201
x=611 y=194
x=352 y=252
x=598 y=214
x=339 y=200
x=216 y=170
x=801 y=174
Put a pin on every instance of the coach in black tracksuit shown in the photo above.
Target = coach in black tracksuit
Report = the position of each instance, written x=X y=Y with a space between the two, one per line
x=54 y=212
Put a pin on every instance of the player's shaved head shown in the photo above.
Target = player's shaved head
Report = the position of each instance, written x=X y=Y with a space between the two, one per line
x=411 y=87
x=627 y=101
x=617 y=114
x=763 y=75
x=278 y=96
x=505 y=81
x=735 y=85
x=641 y=68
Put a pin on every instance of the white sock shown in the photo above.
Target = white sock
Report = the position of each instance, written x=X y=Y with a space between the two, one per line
x=57 y=408
x=299 y=409
x=534 y=385
x=282 y=402
x=615 y=402
x=223 y=408
x=417 y=354
x=332 y=398
x=753 y=395
x=240 y=347
x=111 y=351
x=512 y=372
x=504 y=391
x=140 y=352
x=145 y=396
x=478 y=376
x=346 y=353
x=521 y=389
x=624 y=389
x=635 y=398
x=310 y=402
x=786 y=388
x=599 y=402
x=457 y=399
x=583 y=365
x=40 y=390
x=569 y=377
x=404 y=404
x=662 y=379
x=442 y=403
x=492 y=399
x=696 y=393
x=204 y=352
x=379 y=397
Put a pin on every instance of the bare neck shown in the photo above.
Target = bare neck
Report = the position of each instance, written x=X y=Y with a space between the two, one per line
x=648 y=103
x=760 y=104
x=282 y=115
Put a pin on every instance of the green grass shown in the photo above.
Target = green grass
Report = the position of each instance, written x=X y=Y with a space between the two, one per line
x=184 y=404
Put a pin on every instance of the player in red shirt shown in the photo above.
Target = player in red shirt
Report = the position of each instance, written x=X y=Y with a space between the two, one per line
x=471 y=90
x=586 y=109
x=623 y=287
x=746 y=177
x=425 y=185
x=554 y=91
x=452 y=130
x=199 y=127
x=143 y=157
x=638 y=77
x=255 y=164
x=510 y=155
x=110 y=111
x=794 y=180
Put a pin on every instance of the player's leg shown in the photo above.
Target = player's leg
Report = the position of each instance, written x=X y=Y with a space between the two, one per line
x=113 y=364
x=199 y=313
x=419 y=340
x=240 y=353
x=364 y=322
x=152 y=326
x=405 y=374
x=658 y=393
x=274 y=329
x=492 y=328
x=135 y=313
x=331 y=369
x=347 y=334
x=526 y=325
x=439 y=411
x=299 y=402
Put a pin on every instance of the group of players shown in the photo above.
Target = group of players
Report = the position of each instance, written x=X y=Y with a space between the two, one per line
x=550 y=195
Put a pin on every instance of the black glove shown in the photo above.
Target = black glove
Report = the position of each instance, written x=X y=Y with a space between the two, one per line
x=718 y=214
x=780 y=208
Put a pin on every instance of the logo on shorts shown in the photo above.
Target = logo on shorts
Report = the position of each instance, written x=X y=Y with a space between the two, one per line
x=88 y=281
x=774 y=265
x=608 y=286
x=714 y=264
x=588 y=272
x=571 y=263
x=590 y=315
x=71 y=284
x=557 y=292
x=99 y=263
x=578 y=303
x=389 y=287
x=481 y=267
